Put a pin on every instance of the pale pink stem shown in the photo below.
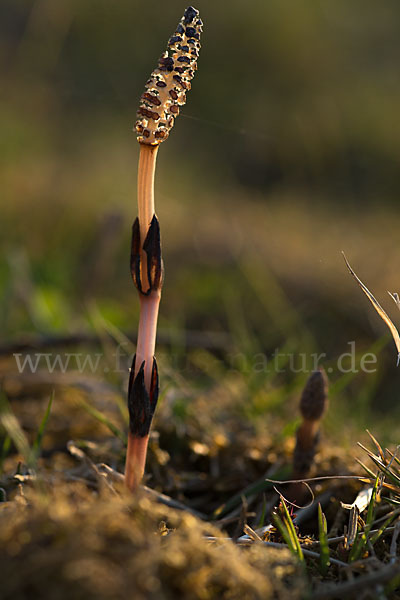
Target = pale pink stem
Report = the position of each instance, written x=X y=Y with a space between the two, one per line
x=147 y=334
x=135 y=460
x=146 y=171
x=137 y=446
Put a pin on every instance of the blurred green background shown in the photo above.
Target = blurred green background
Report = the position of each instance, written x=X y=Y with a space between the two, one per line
x=286 y=153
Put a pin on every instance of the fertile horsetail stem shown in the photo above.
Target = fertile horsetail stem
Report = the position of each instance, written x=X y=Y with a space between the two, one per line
x=313 y=404
x=165 y=92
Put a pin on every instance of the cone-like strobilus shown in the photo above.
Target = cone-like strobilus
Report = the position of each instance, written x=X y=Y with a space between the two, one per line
x=165 y=92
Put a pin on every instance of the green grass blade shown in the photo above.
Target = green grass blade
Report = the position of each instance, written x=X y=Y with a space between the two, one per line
x=375 y=537
x=391 y=501
x=390 y=474
x=287 y=520
x=37 y=444
x=261 y=485
x=371 y=507
x=263 y=512
x=324 y=559
x=4 y=452
x=366 y=469
x=14 y=430
x=281 y=526
x=104 y=420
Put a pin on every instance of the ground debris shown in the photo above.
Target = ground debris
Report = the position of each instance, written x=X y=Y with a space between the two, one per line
x=70 y=542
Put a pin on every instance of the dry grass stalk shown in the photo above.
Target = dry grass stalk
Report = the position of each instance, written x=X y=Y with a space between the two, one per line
x=159 y=105
x=381 y=312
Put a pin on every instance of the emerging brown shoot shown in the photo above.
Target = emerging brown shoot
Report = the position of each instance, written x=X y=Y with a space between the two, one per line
x=313 y=404
x=159 y=105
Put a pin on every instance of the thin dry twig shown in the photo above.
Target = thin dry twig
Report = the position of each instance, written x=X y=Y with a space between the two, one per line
x=252 y=534
x=246 y=542
x=345 y=590
x=341 y=538
x=305 y=550
x=210 y=340
x=242 y=518
x=82 y=456
x=162 y=498
x=361 y=478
